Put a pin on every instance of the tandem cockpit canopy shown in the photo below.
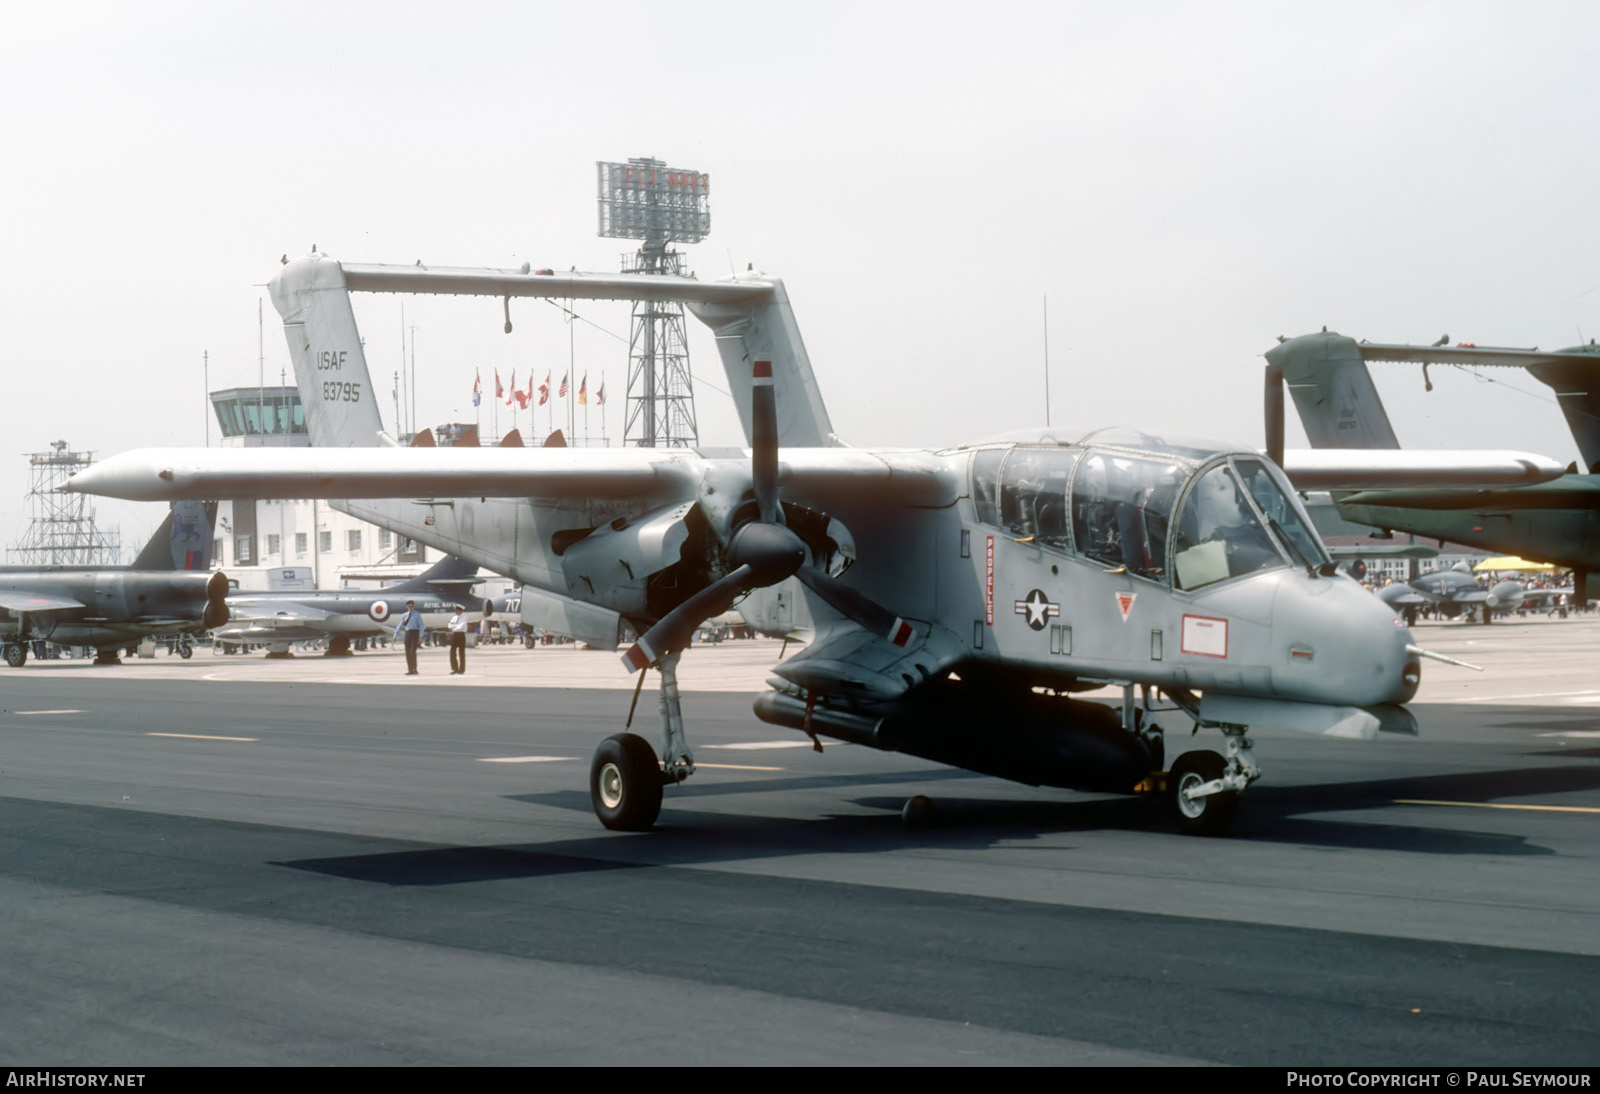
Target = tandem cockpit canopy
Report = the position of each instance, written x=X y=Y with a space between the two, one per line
x=1175 y=510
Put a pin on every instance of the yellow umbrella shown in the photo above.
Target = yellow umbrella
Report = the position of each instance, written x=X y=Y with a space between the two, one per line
x=1519 y=564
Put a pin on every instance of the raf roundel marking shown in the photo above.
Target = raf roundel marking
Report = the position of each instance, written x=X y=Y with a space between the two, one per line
x=1037 y=608
x=379 y=610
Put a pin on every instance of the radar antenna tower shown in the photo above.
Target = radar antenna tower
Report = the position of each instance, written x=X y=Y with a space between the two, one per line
x=644 y=199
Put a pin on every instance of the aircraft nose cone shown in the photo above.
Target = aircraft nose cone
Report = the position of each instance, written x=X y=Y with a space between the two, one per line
x=1358 y=645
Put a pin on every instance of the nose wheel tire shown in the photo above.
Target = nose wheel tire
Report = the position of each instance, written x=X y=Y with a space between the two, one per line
x=625 y=783
x=1211 y=815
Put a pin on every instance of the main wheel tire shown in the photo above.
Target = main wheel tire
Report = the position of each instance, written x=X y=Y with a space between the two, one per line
x=16 y=655
x=185 y=651
x=625 y=783
x=1207 y=816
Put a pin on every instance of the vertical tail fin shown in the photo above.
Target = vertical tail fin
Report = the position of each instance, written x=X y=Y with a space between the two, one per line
x=450 y=576
x=1333 y=392
x=769 y=332
x=1576 y=390
x=329 y=365
x=183 y=540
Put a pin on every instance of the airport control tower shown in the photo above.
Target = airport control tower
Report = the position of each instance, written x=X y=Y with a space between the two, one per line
x=644 y=199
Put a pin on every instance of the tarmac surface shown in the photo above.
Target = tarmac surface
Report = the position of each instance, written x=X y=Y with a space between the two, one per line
x=231 y=860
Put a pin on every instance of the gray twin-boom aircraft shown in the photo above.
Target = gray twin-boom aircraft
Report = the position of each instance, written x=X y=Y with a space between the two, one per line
x=958 y=597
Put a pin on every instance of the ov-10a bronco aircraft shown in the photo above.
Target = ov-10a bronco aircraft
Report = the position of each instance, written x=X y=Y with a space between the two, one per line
x=958 y=597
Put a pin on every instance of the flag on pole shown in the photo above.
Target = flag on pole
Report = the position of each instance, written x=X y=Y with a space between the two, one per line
x=544 y=390
x=499 y=392
x=526 y=397
x=600 y=396
x=477 y=388
x=583 y=391
x=562 y=391
x=511 y=396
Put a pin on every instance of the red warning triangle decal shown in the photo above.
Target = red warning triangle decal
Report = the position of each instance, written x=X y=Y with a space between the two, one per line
x=1125 y=604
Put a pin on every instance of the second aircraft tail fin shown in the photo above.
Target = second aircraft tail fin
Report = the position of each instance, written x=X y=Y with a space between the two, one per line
x=1333 y=392
x=183 y=540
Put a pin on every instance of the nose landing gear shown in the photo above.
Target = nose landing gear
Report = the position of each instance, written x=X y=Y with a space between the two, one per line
x=1204 y=787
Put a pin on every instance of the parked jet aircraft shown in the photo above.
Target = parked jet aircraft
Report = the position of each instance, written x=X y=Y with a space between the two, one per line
x=278 y=620
x=958 y=597
x=1454 y=592
x=169 y=589
x=1556 y=521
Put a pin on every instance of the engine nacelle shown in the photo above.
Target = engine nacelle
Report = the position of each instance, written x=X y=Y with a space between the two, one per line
x=613 y=563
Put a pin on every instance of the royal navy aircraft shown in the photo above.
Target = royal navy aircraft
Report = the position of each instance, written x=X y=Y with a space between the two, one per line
x=959 y=598
x=278 y=620
x=1556 y=521
x=169 y=590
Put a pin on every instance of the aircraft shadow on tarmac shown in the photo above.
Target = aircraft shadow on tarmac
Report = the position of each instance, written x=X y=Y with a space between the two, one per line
x=687 y=837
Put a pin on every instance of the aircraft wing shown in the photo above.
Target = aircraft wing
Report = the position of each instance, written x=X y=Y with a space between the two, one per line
x=1386 y=469
x=17 y=602
x=1509 y=357
x=266 y=632
x=280 y=613
x=164 y=474
x=1542 y=596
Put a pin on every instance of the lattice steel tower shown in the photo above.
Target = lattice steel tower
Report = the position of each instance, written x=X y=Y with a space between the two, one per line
x=644 y=199
x=63 y=532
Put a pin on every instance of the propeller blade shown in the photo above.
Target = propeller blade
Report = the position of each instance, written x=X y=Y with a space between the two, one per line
x=673 y=630
x=764 y=441
x=855 y=606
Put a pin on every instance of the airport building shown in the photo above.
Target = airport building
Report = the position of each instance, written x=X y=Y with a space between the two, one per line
x=269 y=544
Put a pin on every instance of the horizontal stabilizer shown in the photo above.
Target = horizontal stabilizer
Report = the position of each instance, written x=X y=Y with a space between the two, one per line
x=1506 y=356
x=466 y=281
x=1380 y=468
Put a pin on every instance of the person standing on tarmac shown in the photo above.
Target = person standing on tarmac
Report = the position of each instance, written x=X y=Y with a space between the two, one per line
x=458 y=642
x=411 y=626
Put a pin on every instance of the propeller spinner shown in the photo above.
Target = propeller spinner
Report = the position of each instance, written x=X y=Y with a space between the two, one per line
x=762 y=551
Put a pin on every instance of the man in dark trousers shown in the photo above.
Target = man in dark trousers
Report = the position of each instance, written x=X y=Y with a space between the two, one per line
x=411 y=626
x=458 y=642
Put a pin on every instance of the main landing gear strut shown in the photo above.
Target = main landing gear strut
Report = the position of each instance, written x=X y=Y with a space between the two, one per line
x=626 y=779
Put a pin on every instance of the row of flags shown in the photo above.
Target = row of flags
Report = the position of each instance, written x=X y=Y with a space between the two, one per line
x=520 y=398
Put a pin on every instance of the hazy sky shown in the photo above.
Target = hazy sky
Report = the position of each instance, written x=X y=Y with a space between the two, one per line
x=1184 y=182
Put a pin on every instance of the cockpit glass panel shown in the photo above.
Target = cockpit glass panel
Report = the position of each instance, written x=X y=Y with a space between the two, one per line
x=986 y=484
x=1218 y=534
x=1281 y=511
x=1182 y=445
x=1121 y=508
x=1033 y=494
